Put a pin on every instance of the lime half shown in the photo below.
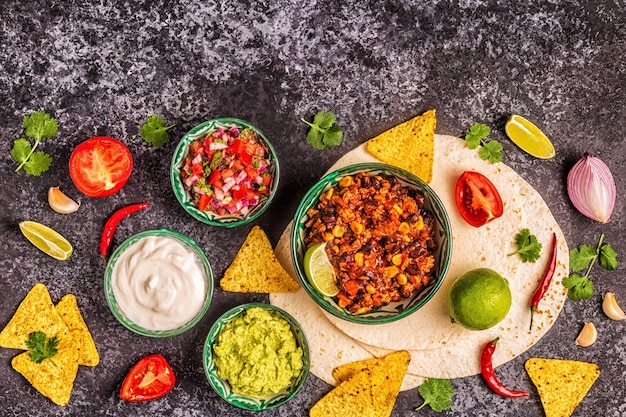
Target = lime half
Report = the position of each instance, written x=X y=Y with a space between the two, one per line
x=319 y=270
x=528 y=137
x=47 y=240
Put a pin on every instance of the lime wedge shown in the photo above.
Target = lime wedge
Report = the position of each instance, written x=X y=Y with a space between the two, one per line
x=528 y=137
x=47 y=240
x=319 y=270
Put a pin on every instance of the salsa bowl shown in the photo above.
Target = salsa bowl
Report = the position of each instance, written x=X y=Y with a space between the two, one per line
x=158 y=283
x=413 y=296
x=239 y=322
x=224 y=172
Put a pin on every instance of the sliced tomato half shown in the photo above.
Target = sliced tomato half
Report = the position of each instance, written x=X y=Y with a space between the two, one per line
x=100 y=166
x=477 y=199
x=152 y=377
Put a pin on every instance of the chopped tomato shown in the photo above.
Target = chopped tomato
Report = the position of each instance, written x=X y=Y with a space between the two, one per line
x=204 y=201
x=477 y=199
x=245 y=158
x=214 y=178
x=197 y=170
x=152 y=377
x=252 y=173
x=100 y=166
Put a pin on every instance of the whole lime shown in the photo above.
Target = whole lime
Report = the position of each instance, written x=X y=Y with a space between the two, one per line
x=479 y=299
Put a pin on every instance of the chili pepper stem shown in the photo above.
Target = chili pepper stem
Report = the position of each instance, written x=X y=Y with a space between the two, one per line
x=532 y=314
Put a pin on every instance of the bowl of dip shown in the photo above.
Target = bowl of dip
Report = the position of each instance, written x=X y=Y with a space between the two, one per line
x=158 y=283
x=224 y=172
x=256 y=357
x=387 y=235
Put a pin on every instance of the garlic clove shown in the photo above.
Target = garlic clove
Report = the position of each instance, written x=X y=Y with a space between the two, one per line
x=61 y=203
x=591 y=188
x=611 y=308
x=587 y=335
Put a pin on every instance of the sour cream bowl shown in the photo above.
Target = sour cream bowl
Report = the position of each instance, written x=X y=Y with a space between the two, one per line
x=158 y=283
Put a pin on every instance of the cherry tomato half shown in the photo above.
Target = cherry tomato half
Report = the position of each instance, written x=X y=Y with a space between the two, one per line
x=152 y=377
x=477 y=199
x=100 y=166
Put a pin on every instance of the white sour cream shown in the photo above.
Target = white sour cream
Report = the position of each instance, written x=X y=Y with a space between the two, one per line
x=159 y=283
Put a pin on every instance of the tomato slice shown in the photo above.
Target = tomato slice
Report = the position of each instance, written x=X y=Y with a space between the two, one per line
x=477 y=199
x=152 y=377
x=100 y=166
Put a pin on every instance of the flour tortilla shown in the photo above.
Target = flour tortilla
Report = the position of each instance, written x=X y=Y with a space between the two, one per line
x=438 y=347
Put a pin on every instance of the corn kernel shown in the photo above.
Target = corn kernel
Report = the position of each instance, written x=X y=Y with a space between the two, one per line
x=397 y=209
x=327 y=236
x=362 y=310
x=404 y=228
x=335 y=249
x=401 y=279
x=420 y=223
x=356 y=227
x=396 y=259
x=358 y=258
x=328 y=194
x=338 y=230
x=342 y=303
x=346 y=182
x=391 y=271
x=370 y=288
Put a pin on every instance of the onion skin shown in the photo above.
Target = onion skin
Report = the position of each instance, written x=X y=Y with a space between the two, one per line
x=591 y=188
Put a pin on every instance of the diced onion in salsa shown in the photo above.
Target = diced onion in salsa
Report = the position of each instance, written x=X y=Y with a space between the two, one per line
x=228 y=171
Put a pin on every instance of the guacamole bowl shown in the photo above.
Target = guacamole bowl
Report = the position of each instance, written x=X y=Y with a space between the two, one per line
x=224 y=172
x=276 y=368
x=373 y=218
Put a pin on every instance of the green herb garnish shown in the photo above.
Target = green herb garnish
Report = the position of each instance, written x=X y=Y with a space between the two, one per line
x=41 y=347
x=528 y=247
x=154 y=131
x=436 y=393
x=580 y=287
x=324 y=133
x=490 y=151
x=39 y=125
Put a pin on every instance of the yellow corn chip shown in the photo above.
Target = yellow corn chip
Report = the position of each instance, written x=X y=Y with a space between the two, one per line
x=561 y=384
x=87 y=352
x=54 y=377
x=256 y=269
x=351 y=398
x=35 y=313
x=409 y=145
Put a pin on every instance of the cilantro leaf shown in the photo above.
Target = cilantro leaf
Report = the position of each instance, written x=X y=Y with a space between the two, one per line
x=39 y=125
x=39 y=162
x=323 y=132
x=585 y=256
x=608 y=257
x=578 y=287
x=528 y=247
x=476 y=134
x=490 y=151
x=154 y=131
x=580 y=257
x=41 y=347
x=436 y=393
x=21 y=150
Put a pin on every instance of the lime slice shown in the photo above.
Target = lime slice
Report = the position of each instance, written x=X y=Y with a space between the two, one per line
x=528 y=137
x=47 y=240
x=319 y=270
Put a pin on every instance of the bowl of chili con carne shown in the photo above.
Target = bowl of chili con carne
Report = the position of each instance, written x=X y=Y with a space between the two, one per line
x=224 y=172
x=387 y=236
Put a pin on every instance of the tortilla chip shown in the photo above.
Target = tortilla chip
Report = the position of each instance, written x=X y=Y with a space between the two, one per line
x=35 y=313
x=351 y=398
x=256 y=269
x=54 y=377
x=561 y=384
x=409 y=145
x=68 y=310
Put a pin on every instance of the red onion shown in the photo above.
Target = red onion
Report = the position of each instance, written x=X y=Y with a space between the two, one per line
x=591 y=188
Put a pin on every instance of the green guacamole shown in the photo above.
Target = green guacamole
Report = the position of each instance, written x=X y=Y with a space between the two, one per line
x=257 y=354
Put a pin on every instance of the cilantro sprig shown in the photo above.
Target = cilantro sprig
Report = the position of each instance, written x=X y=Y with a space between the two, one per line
x=490 y=151
x=154 y=131
x=436 y=393
x=580 y=287
x=37 y=126
x=41 y=347
x=528 y=247
x=324 y=132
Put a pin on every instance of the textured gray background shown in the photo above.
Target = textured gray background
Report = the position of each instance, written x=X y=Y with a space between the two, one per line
x=102 y=67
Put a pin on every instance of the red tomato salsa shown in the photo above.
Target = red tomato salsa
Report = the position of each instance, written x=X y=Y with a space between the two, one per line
x=228 y=171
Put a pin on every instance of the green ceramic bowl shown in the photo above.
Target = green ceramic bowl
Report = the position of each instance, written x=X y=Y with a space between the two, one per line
x=223 y=388
x=396 y=310
x=195 y=254
x=208 y=216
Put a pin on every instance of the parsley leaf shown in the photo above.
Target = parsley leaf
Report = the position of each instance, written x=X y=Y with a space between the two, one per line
x=584 y=256
x=39 y=125
x=323 y=132
x=154 y=131
x=578 y=287
x=528 y=247
x=41 y=347
x=490 y=151
x=436 y=393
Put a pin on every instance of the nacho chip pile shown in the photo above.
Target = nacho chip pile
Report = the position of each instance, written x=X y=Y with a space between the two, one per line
x=365 y=388
x=53 y=377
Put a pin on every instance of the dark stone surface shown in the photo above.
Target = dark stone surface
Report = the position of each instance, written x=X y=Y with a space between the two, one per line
x=102 y=67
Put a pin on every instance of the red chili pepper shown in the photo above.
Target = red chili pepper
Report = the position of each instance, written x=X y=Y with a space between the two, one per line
x=111 y=225
x=486 y=368
x=544 y=284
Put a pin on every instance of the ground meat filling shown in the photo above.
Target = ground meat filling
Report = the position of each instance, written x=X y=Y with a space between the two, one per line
x=379 y=239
